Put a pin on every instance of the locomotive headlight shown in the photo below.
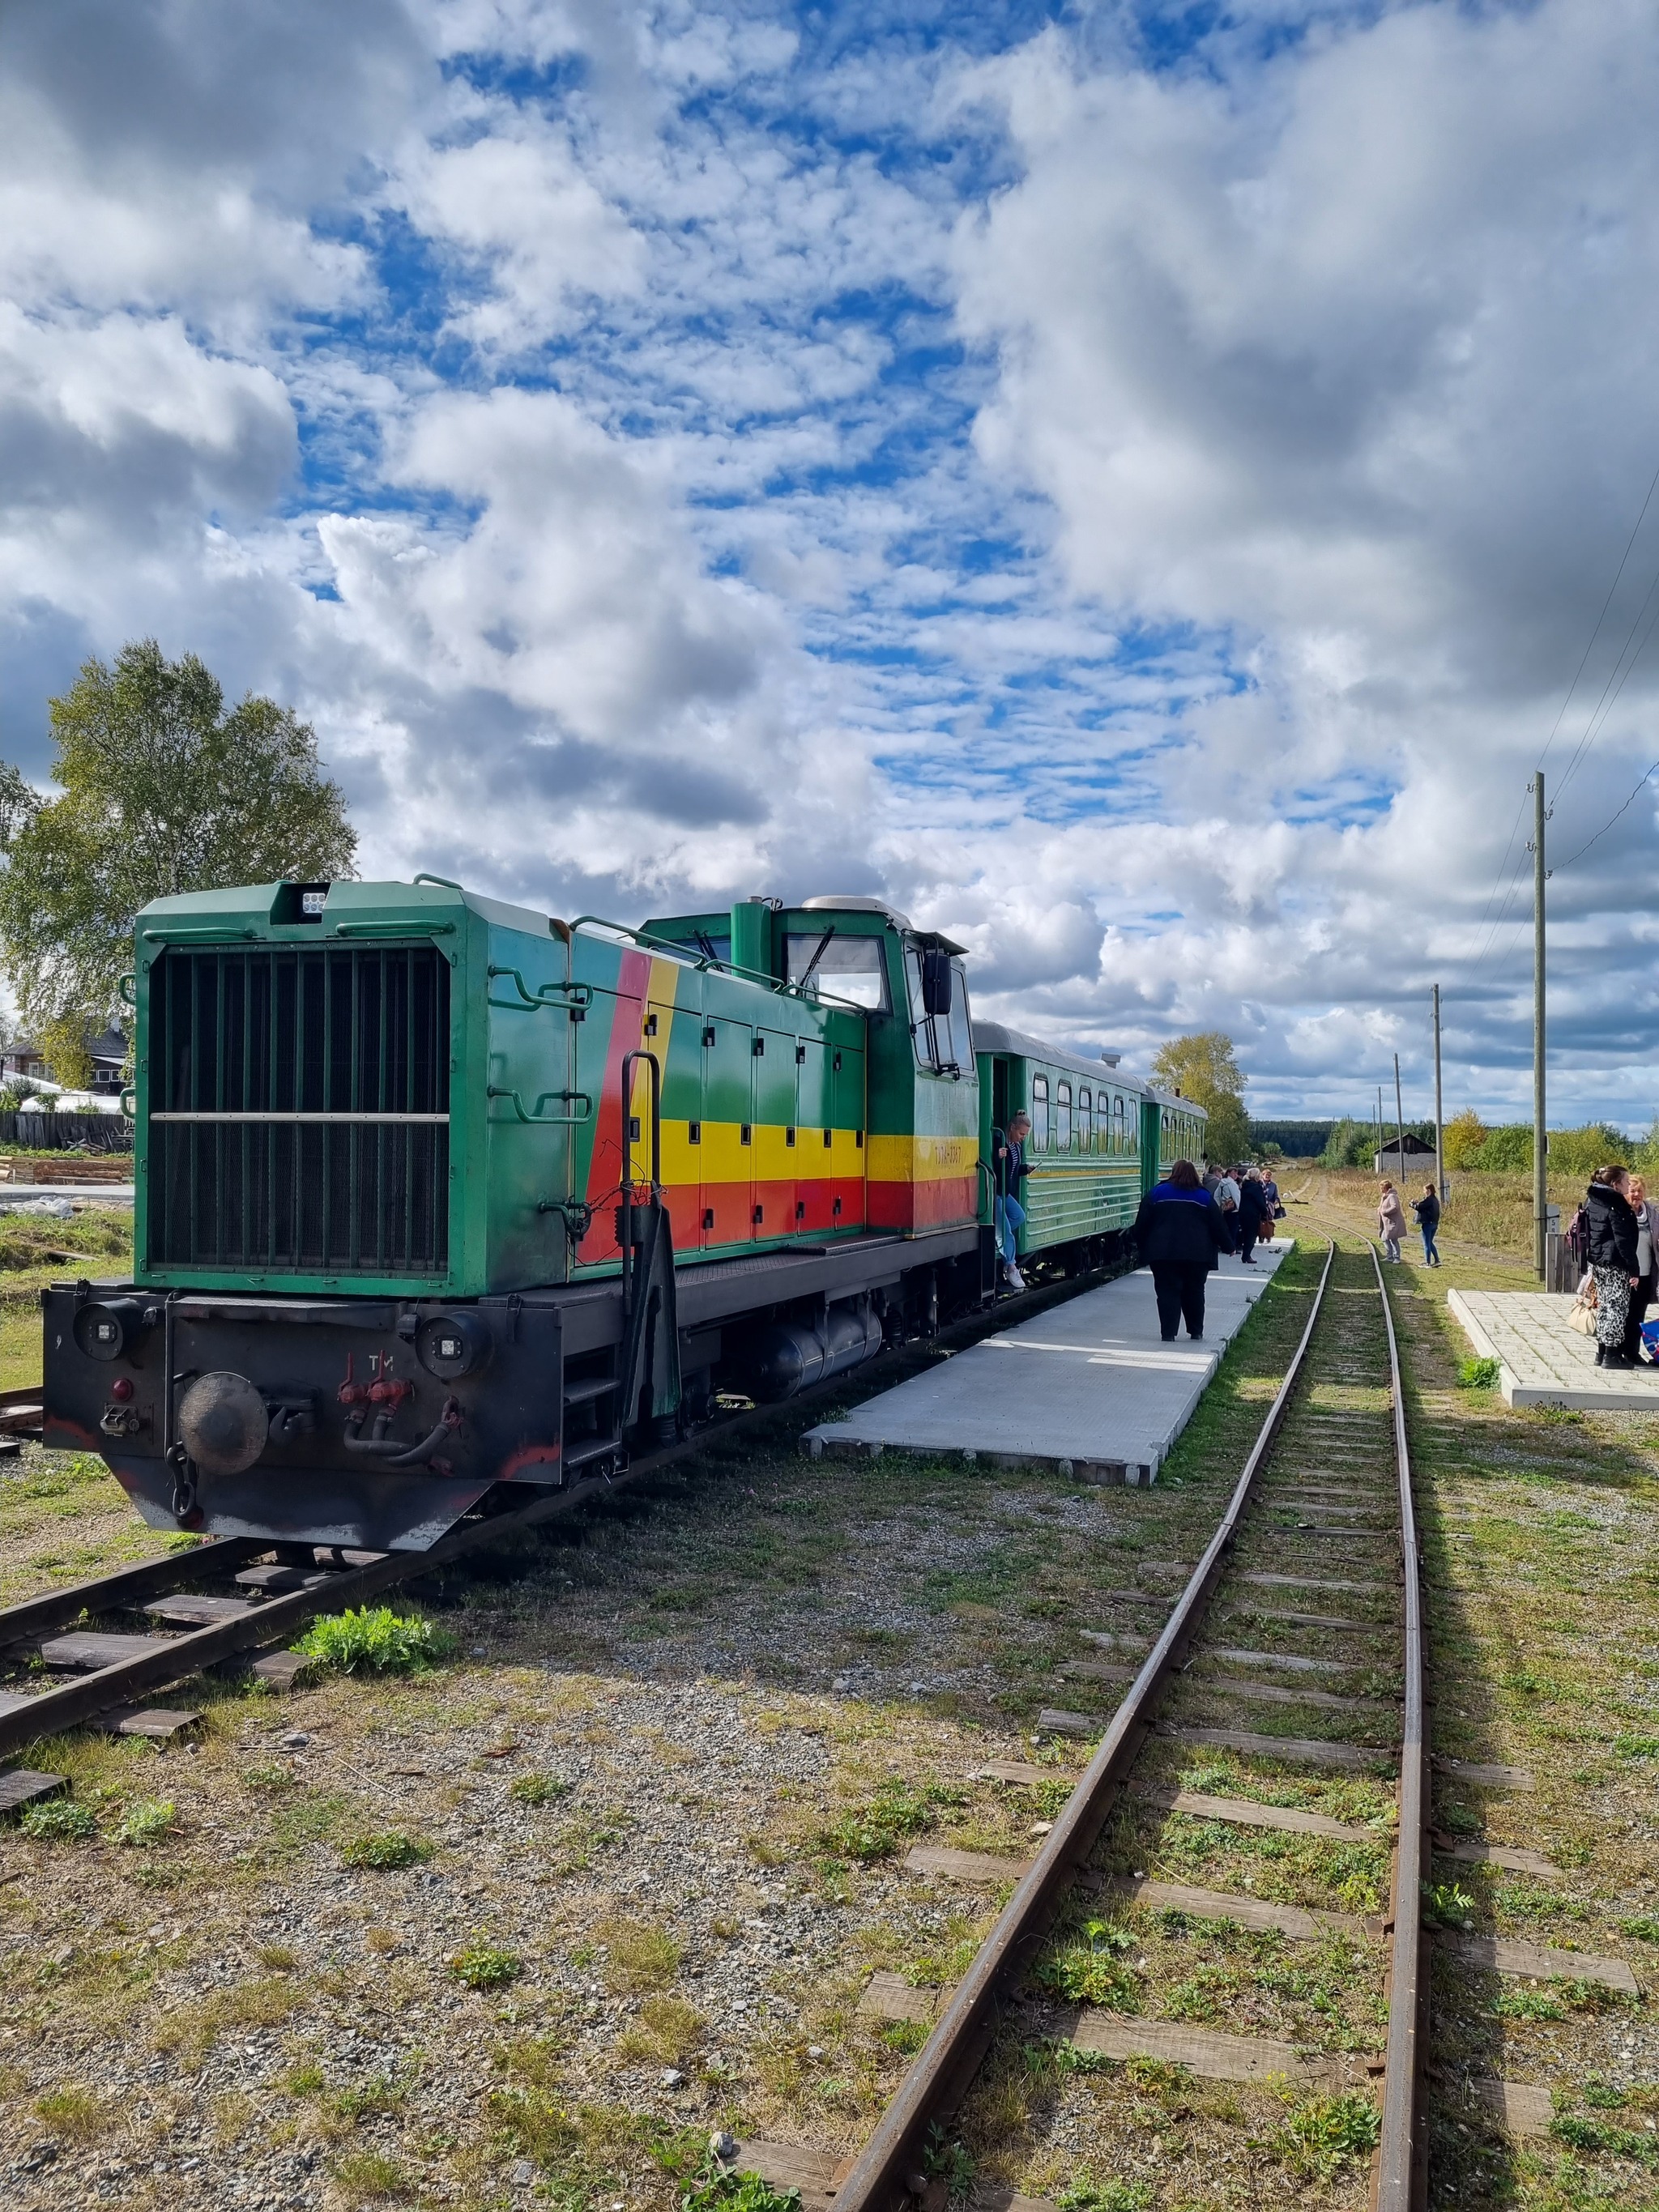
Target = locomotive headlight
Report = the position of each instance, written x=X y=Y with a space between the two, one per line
x=105 y=1327
x=451 y=1346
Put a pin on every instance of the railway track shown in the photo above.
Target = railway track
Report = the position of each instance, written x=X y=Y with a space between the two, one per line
x=118 y=1638
x=1305 y=1603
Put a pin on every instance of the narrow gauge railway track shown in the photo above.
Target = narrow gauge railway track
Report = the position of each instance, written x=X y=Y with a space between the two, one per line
x=1314 y=1564
x=121 y=1637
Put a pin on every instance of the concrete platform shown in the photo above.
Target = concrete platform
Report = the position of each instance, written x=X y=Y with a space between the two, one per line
x=1542 y=1362
x=1087 y=1387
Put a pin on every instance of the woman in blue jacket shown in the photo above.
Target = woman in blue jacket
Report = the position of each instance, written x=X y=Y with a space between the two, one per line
x=1180 y=1229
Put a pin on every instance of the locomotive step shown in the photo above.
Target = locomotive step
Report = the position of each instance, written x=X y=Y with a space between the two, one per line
x=583 y=1394
x=596 y=1448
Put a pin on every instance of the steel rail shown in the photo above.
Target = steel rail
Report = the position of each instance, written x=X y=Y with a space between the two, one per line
x=176 y=1659
x=1400 y=2170
x=948 y=2061
x=125 y=1586
x=179 y=1657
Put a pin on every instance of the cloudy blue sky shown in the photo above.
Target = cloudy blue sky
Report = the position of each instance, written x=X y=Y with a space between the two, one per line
x=1135 y=484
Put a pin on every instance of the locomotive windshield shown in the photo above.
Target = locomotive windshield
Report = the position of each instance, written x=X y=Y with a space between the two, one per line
x=851 y=967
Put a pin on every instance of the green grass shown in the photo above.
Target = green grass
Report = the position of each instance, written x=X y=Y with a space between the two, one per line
x=143 y=1825
x=60 y=1821
x=1086 y=1969
x=719 y=2191
x=390 y=1848
x=482 y=1966
x=377 y=1640
x=1324 y=2134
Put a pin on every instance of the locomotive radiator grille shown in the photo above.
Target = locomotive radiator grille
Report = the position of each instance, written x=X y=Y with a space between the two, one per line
x=298 y=1118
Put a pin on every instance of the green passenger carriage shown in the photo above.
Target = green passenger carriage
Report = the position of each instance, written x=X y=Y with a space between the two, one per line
x=1100 y=1138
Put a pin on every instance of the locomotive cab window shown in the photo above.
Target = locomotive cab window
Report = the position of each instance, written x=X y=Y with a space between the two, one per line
x=1063 y=1118
x=944 y=1041
x=853 y=968
x=1039 y=1113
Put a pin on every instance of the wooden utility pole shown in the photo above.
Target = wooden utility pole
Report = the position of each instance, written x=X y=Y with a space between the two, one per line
x=1540 y=1143
x=1439 y=1139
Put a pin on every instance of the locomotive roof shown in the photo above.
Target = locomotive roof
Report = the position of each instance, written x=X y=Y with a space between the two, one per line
x=994 y=1036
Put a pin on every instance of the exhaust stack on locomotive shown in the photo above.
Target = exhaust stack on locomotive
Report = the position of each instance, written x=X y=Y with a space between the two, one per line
x=438 y=1199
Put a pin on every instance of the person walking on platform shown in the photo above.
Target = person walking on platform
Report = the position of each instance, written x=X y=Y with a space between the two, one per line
x=1253 y=1211
x=1615 y=1243
x=1390 y=1220
x=1009 y=1162
x=1180 y=1230
x=1427 y=1210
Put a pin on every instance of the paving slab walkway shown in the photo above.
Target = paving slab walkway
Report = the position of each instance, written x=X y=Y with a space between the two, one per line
x=1542 y=1361
x=1087 y=1387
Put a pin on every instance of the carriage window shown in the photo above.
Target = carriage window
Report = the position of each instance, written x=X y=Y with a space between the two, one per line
x=1039 y=1113
x=1063 y=1118
x=1085 y=1115
x=853 y=968
x=1119 y=1127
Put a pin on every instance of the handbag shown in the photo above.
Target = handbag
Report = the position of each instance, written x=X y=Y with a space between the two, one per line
x=1582 y=1319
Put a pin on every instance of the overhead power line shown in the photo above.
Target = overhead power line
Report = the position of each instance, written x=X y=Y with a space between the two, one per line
x=1613 y=817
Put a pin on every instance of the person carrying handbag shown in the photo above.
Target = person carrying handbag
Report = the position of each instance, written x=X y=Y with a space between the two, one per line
x=1614 y=1240
x=1390 y=1221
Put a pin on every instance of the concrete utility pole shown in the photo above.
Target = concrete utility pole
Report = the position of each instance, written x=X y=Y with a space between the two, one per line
x=1540 y=1143
x=1399 y=1124
x=1379 y=1128
x=1439 y=1142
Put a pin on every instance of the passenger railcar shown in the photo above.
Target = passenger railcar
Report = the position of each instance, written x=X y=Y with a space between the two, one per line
x=438 y=1199
x=1099 y=1139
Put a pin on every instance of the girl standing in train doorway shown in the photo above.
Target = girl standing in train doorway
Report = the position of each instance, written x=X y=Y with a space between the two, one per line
x=1008 y=1152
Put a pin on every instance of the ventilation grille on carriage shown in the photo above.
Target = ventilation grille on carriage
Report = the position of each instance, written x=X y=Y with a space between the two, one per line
x=299 y=1110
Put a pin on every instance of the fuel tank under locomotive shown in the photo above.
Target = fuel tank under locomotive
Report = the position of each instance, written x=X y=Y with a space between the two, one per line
x=777 y=1359
x=371 y=1423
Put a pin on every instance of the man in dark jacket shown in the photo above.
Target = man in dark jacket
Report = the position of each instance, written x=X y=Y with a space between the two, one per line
x=1180 y=1229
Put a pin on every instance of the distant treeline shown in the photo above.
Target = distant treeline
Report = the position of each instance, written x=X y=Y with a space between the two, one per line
x=1343 y=1142
x=1297 y=1140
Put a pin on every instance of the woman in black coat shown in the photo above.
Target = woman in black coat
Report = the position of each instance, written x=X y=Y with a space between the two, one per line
x=1611 y=1235
x=1253 y=1211
x=1180 y=1229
